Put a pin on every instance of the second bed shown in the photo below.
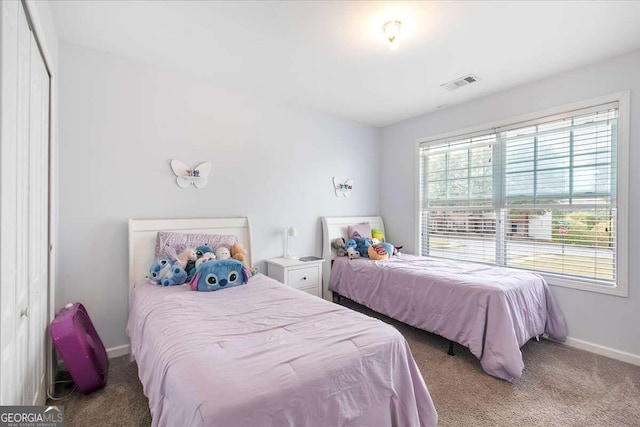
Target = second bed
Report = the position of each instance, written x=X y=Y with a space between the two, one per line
x=491 y=310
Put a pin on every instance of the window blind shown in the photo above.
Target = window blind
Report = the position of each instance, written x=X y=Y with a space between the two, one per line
x=458 y=198
x=539 y=195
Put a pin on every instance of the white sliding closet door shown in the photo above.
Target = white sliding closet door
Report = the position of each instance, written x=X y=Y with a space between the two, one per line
x=38 y=242
x=24 y=188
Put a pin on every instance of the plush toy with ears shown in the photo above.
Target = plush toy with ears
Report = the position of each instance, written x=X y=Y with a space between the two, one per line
x=202 y=249
x=219 y=274
x=339 y=245
x=173 y=256
x=239 y=253
x=352 y=253
x=186 y=255
x=166 y=273
x=362 y=246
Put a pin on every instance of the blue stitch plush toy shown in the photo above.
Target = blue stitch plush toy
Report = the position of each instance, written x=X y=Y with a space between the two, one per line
x=201 y=250
x=164 y=272
x=362 y=246
x=219 y=274
x=350 y=244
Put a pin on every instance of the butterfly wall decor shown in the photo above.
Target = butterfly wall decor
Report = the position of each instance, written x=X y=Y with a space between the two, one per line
x=185 y=175
x=343 y=188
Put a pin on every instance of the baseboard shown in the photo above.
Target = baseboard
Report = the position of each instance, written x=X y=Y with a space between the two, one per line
x=623 y=356
x=118 y=351
x=112 y=352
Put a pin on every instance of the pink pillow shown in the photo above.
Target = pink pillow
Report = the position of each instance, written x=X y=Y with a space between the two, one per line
x=181 y=241
x=363 y=230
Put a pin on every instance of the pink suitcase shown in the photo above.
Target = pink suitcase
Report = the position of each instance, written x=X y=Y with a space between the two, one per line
x=80 y=347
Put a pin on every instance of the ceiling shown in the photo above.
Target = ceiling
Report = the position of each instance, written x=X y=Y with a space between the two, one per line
x=331 y=56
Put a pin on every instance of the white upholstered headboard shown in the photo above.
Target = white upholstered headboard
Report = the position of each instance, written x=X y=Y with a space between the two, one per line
x=142 y=238
x=334 y=227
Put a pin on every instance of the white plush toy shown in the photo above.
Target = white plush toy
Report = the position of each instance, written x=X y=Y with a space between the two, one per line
x=185 y=256
x=222 y=253
x=352 y=253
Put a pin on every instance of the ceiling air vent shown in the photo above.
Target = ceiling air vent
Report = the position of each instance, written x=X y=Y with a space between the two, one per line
x=462 y=81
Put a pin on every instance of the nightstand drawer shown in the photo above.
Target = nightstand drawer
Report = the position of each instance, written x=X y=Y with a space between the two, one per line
x=305 y=276
x=302 y=278
x=315 y=290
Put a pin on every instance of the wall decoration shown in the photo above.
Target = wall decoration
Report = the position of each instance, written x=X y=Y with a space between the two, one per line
x=343 y=188
x=196 y=176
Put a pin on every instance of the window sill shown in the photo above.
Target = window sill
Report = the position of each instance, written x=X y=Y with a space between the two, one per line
x=586 y=285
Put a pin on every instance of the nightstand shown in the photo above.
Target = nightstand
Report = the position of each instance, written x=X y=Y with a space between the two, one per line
x=303 y=275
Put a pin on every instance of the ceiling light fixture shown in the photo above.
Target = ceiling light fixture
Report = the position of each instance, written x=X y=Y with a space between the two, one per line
x=392 y=30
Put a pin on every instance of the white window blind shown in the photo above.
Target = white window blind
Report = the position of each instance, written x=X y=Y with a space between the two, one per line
x=539 y=196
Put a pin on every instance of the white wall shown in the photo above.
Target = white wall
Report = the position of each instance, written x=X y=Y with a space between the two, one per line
x=604 y=320
x=121 y=122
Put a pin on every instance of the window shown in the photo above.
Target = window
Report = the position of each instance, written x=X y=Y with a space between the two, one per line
x=539 y=195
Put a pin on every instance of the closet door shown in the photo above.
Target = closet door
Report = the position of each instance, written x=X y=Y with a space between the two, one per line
x=24 y=188
x=37 y=176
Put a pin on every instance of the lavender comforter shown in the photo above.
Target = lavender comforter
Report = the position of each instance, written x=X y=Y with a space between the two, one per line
x=264 y=354
x=491 y=310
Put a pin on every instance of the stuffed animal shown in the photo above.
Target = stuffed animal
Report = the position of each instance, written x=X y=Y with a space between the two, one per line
x=186 y=255
x=376 y=233
x=338 y=244
x=164 y=272
x=389 y=248
x=207 y=256
x=174 y=257
x=158 y=270
x=202 y=249
x=362 y=246
x=352 y=253
x=377 y=252
x=222 y=253
x=351 y=243
x=219 y=274
x=176 y=276
x=239 y=253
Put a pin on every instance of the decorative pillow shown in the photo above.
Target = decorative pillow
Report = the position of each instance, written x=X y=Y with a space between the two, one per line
x=360 y=230
x=219 y=274
x=192 y=240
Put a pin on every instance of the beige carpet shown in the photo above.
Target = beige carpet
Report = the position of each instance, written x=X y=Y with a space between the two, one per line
x=560 y=386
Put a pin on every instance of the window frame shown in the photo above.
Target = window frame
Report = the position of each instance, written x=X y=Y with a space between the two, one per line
x=621 y=287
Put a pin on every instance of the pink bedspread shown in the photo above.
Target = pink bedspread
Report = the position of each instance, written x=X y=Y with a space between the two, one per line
x=264 y=354
x=492 y=310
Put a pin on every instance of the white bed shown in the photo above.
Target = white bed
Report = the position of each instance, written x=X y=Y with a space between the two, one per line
x=332 y=228
x=263 y=353
x=491 y=310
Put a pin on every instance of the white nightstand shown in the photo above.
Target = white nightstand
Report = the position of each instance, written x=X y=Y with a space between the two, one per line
x=303 y=275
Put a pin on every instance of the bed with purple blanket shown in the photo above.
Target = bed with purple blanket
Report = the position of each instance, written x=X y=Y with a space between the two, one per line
x=265 y=354
x=491 y=310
